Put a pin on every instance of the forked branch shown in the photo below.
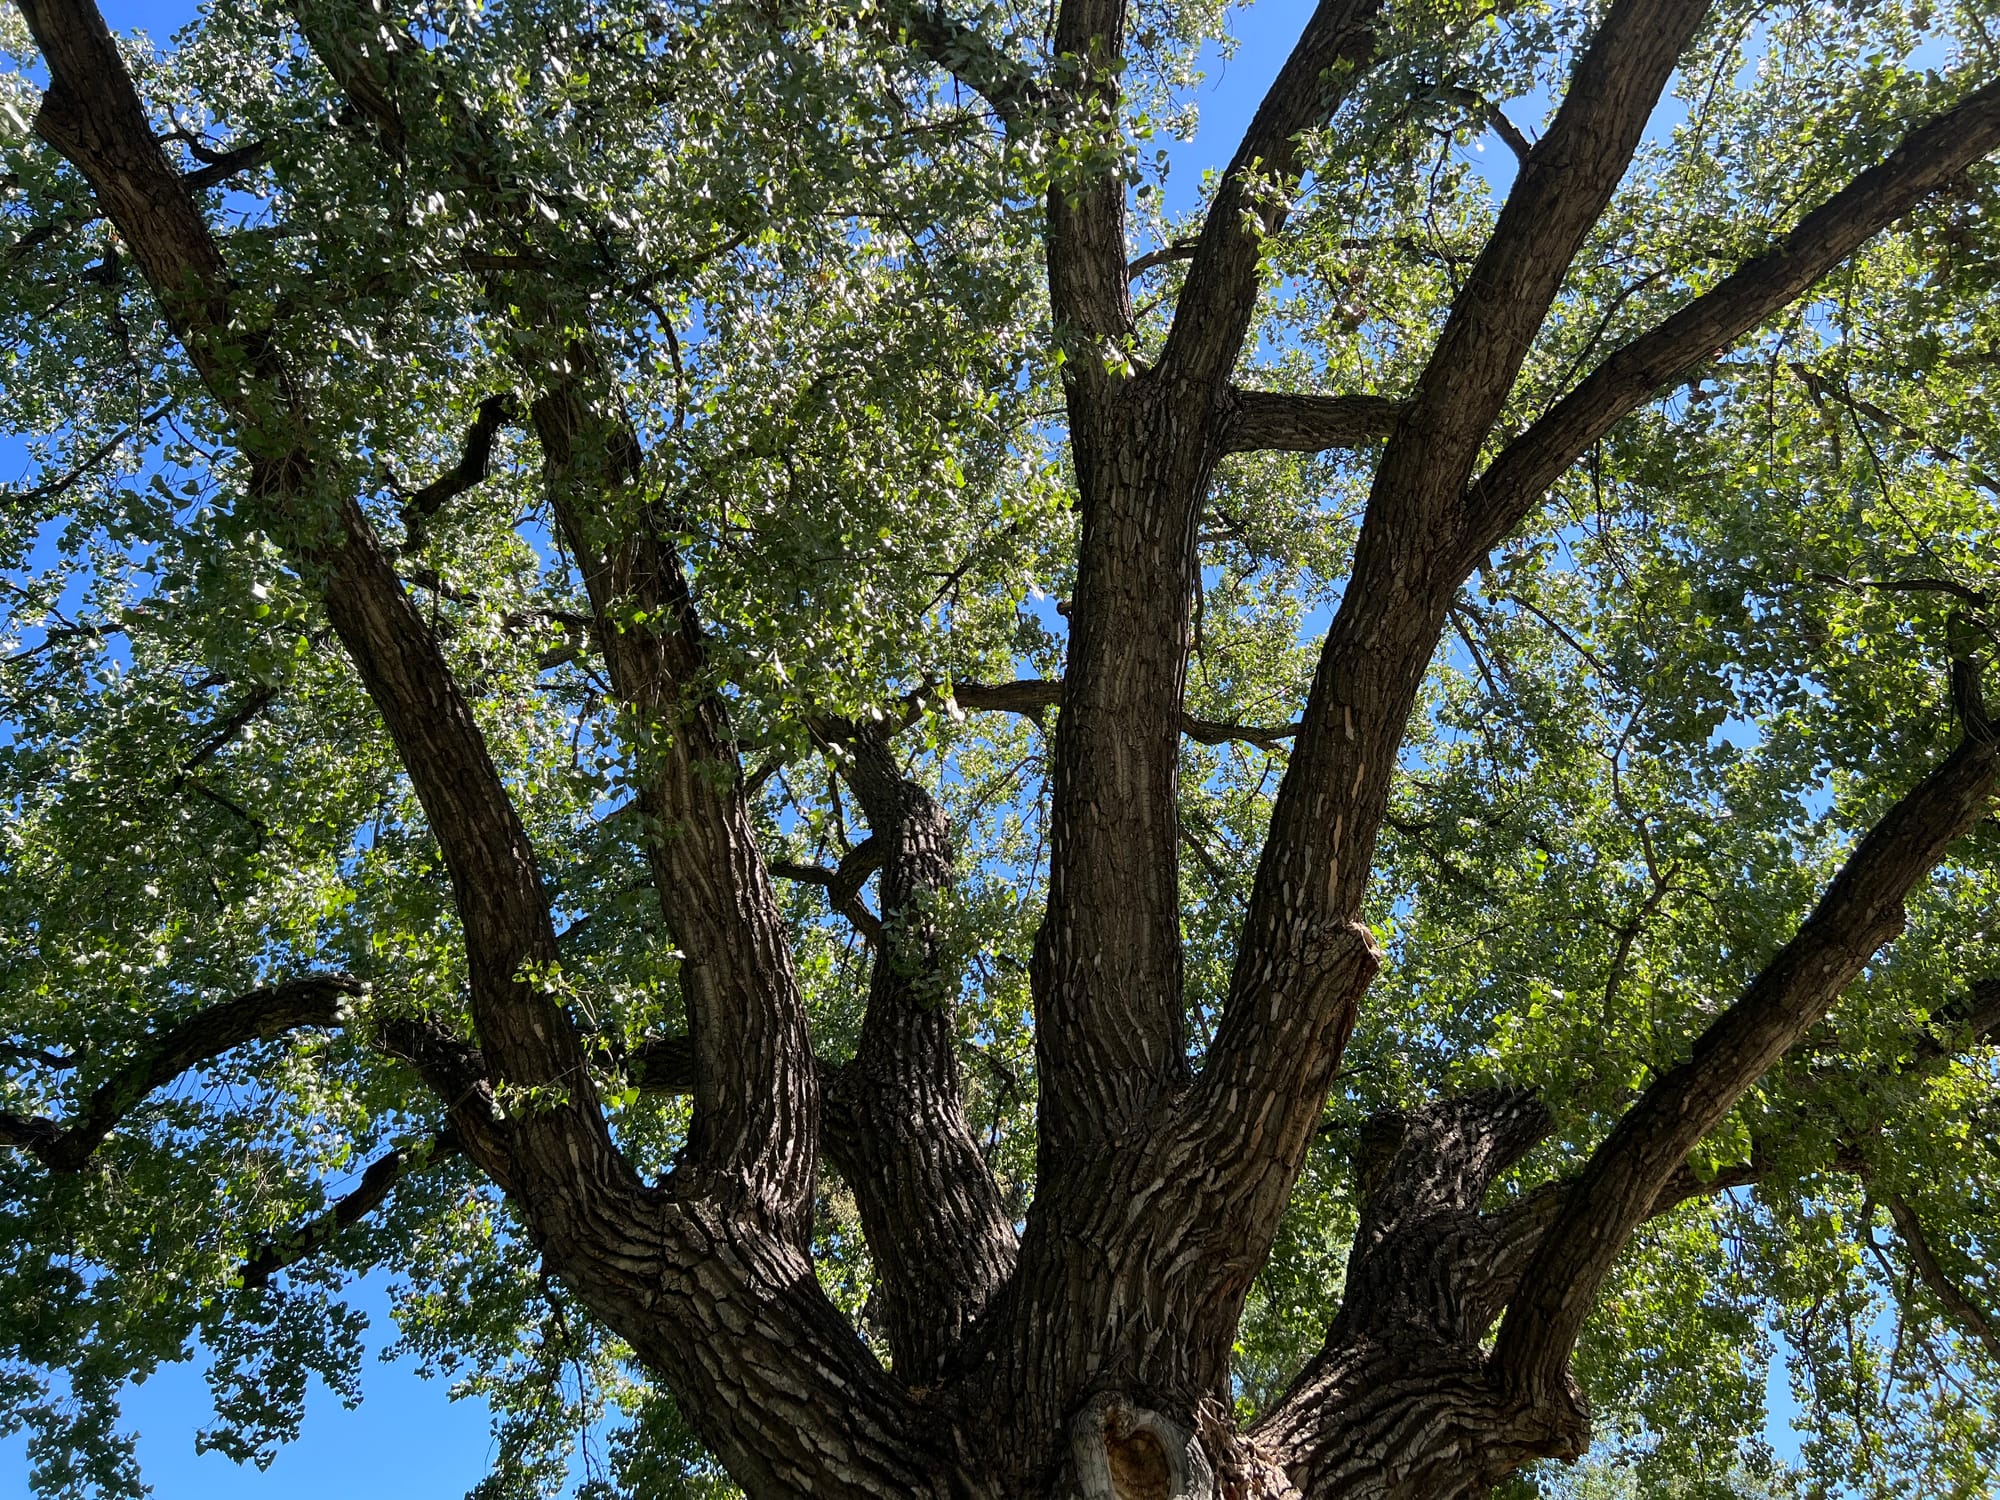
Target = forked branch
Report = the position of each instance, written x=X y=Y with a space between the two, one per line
x=261 y=1015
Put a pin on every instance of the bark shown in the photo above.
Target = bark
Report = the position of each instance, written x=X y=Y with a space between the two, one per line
x=895 y=1114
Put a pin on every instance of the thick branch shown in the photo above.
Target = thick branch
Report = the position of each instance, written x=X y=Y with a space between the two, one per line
x=1033 y=696
x=930 y=1207
x=1953 y=1298
x=1291 y=423
x=970 y=58
x=756 y=1111
x=199 y=1039
x=1304 y=957
x=1086 y=214
x=1328 y=61
x=1861 y=910
x=1407 y=1320
x=94 y=117
x=307 y=1239
x=1928 y=158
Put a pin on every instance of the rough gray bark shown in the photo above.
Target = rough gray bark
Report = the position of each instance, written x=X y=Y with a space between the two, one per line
x=1092 y=1356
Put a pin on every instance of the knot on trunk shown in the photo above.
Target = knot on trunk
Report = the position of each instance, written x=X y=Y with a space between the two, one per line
x=1119 y=1451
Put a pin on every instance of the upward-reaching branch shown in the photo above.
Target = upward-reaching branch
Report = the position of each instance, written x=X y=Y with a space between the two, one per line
x=1255 y=196
x=93 y=115
x=755 y=1126
x=1086 y=224
x=896 y=1127
x=1928 y=158
x=1303 y=959
x=1861 y=910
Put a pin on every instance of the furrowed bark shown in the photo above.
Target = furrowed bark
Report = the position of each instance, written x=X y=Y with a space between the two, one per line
x=895 y=1114
x=260 y=1016
x=1107 y=962
x=1860 y=911
x=1398 y=1401
x=1287 y=422
x=754 y=1134
x=1304 y=958
x=756 y=1120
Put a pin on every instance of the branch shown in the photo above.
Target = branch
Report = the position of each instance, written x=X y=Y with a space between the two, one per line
x=315 y=1234
x=1088 y=289
x=92 y=114
x=1951 y=1297
x=843 y=886
x=230 y=725
x=219 y=168
x=970 y=58
x=1861 y=910
x=474 y=459
x=1165 y=255
x=1253 y=201
x=53 y=488
x=1305 y=957
x=756 y=1114
x=1822 y=390
x=1496 y=119
x=929 y=1204
x=1033 y=696
x=259 y=1016
x=1927 y=159
x=1296 y=423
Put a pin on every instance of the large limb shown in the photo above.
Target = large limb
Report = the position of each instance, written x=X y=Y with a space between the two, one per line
x=1430 y=1273
x=1299 y=422
x=754 y=1134
x=895 y=1114
x=1304 y=958
x=1396 y=1401
x=1254 y=199
x=1860 y=911
x=731 y=1314
x=1107 y=966
x=93 y=116
x=1928 y=158
x=756 y=1114
x=259 y=1016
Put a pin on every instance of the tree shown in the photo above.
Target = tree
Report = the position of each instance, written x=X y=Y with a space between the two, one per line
x=1423 y=761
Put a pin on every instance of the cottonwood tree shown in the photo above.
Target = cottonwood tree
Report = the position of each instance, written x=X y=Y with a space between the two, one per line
x=725 y=684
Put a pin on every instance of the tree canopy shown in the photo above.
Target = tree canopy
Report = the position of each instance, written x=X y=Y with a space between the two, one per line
x=860 y=782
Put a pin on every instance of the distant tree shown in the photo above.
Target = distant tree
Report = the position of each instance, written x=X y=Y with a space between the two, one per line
x=691 y=675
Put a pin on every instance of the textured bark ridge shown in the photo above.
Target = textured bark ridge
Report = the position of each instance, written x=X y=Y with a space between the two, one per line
x=1084 y=1352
